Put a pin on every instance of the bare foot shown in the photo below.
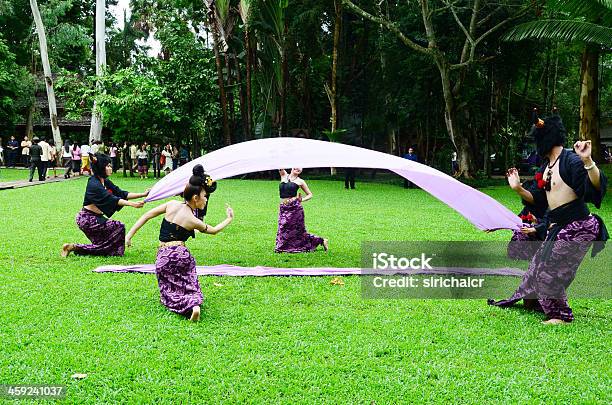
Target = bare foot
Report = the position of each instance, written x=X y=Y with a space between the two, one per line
x=66 y=249
x=195 y=314
x=555 y=322
x=326 y=244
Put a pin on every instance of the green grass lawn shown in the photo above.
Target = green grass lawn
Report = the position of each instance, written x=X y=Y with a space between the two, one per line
x=277 y=339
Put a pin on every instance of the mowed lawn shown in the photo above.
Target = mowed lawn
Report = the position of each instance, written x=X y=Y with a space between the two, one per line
x=277 y=339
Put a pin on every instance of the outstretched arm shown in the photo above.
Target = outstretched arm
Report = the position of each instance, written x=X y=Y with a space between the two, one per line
x=143 y=220
x=213 y=230
x=126 y=203
x=132 y=196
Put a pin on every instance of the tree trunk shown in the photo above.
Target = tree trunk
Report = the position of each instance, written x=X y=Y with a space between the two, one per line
x=243 y=112
x=220 y=82
x=333 y=93
x=282 y=127
x=589 y=109
x=249 y=112
x=44 y=56
x=95 y=131
x=230 y=94
x=333 y=98
x=29 y=121
x=464 y=152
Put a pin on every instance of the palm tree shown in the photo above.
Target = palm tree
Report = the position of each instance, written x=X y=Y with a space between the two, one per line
x=587 y=21
x=273 y=14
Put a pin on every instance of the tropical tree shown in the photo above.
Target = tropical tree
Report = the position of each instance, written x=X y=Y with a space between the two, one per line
x=475 y=20
x=587 y=21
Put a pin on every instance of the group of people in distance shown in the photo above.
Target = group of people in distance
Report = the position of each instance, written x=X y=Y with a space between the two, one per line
x=175 y=267
x=555 y=202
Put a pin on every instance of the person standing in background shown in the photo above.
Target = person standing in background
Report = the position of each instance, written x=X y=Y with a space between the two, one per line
x=134 y=156
x=85 y=167
x=25 y=151
x=143 y=161
x=167 y=159
x=454 y=164
x=67 y=158
x=76 y=159
x=36 y=153
x=12 y=147
x=53 y=157
x=114 y=157
x=155 y=156
x=44 y=157
x=175 y=158
x=413 y=157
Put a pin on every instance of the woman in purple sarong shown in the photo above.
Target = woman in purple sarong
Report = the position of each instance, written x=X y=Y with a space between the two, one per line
x=292 y=236
x=102 y=200
x=175 y=267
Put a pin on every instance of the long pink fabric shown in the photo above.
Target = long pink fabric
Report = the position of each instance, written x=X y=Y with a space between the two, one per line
x=261 y=271
x=273 y=153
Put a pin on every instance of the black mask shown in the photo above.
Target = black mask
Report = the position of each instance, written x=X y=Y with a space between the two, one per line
x=551 y=134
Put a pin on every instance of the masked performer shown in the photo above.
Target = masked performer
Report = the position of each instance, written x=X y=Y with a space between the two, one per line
x=102 y=200
x=568 y=180
x=175 y=267
x=292 y=236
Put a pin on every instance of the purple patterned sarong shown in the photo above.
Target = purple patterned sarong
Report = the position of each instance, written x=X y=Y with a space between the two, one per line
x=292 y=236
x=179 y=289
x=523 y=246
x=544 y=284
x=107 y=235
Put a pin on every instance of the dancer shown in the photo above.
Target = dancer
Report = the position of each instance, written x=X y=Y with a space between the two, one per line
x=292 y=236
x=175 y=267
x=102 y=198
x=569 y=179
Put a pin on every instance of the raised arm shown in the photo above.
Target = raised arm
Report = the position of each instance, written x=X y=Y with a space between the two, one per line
x=282 y=173
x=583 y=149
x=515 y=184
x=143 y=220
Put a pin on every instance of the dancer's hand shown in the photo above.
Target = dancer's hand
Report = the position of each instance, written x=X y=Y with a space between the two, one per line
x=147 y=191
x=583 y=149
x=128 y=242
x=137 y=204
x=229 y=211
x=528 y=230
x=514 y=179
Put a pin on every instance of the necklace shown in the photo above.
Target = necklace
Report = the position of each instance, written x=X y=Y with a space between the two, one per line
x=548 y=185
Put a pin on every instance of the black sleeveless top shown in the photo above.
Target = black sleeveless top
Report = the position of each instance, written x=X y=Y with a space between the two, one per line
x=288 y=189
x=169 y=232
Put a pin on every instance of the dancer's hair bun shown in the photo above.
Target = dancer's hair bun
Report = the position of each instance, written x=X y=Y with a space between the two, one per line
x=198 y=170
